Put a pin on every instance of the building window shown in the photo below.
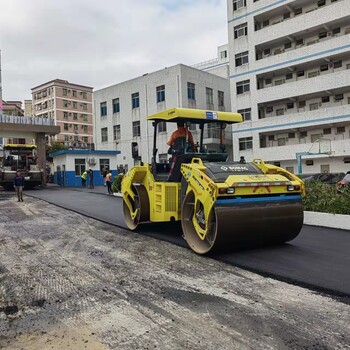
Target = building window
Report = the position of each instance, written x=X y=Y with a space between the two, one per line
x=116 y=132
x=65 y=115
x=65 y=126
x=299 y=42
x=136 y=129
x=241 y=58
x=337 y=64
x=65 y=103
x=160 y=93
x=135 y=100
x=85 y=128
x=302 y=104
x=303 y=134
x=64 y=92
x=85 y=106
x=289 y=76
x=104 y=165
x=104 y=134
x=103 y=108
x=75 y=105
x=191 y=91
x=74 y=92
x=321 y=3
x=245 y=143
x=116 y=105
x=279 y=111
x=327 y=131
x=84 y=95
x=84 y=117
x=238 y=4
x=325 y=99
x=338 y=97
x=291 y=135
x=221 y=99
x=66 y=138
x=162 y=127
x=242 y=87
x=290 y=105
x=240 y=30
x=75 y=116
x=324 y=67
x=340 y=130
x=336 y=30
x=223 y=54
x=209 y=97
x=75 y=127
x=246 y=113
x=298 y=11
x=300 y=73
x=79 y=166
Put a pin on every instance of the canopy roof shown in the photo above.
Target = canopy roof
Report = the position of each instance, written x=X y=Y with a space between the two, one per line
x=196 y=116
x=18 y=146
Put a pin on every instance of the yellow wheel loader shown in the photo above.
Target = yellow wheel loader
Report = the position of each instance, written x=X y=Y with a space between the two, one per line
x=221 y=204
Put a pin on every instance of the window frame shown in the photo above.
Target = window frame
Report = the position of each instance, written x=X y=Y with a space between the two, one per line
x=160 y=93
x=136 y=128
x=104 y=134
x=135 y=100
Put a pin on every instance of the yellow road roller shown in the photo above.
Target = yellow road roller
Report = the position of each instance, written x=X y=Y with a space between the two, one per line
x=222 y=205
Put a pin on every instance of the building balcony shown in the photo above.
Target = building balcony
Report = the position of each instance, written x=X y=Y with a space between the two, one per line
x=300 y=118
x=333 y=148
x=336 y=80
x=284 y=28
x=322 y=48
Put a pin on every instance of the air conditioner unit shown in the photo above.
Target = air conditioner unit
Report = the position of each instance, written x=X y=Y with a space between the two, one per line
x=91 y=161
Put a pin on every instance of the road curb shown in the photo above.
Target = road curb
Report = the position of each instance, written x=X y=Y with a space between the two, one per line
x=327 y=220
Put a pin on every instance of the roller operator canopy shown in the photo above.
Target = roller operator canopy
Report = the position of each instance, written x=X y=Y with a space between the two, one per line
x=196 y=116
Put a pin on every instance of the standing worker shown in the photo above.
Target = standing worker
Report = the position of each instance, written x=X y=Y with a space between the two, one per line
x=91 y=178
x=109 y=183
x=18 y=182
x=83 y=178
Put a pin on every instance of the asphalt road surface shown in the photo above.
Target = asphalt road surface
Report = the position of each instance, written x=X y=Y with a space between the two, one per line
x=318 y=258
x=68 y=281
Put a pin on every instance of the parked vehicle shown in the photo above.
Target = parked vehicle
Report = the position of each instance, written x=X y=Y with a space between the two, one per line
x=343 y=185
x=22 y=158
x=328 y=178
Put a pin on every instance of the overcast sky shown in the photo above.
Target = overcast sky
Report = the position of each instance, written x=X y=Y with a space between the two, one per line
x=100 y=43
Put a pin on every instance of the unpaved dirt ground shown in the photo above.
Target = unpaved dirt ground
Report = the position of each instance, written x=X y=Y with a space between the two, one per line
x=70 y=282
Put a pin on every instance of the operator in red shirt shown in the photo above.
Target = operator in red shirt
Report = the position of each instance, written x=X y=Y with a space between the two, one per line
x=181 y=132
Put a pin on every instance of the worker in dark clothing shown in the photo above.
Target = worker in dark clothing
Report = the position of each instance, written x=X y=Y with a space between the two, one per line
x=91 y=178
x=18 y=182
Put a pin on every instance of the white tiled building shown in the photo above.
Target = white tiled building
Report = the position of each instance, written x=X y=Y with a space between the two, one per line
x=219 y=66
x=290 y=77
x=120 y=110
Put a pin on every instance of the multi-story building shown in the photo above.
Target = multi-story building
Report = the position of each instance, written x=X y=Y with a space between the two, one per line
x=219 y=65
x=12 y=108
x=70 y=106
x=28 y=108
x=290 y=78
x=120 y=110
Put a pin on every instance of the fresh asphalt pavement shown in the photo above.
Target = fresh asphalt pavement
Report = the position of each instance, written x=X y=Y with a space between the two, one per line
x=318 y=258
